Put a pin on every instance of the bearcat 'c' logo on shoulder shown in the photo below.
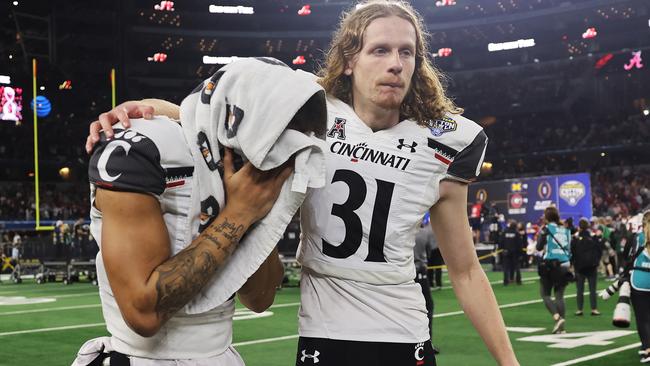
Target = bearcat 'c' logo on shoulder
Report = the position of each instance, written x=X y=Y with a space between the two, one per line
x=338 y=129
x=123 y=139
x=440 y=126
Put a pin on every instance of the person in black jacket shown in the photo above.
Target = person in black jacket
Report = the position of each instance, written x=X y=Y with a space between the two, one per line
x=586 y=253
x=510 y=242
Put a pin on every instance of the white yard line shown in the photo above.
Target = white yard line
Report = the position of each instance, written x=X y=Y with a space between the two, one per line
x=75 y=295
x=50 y=309
x=285 y=305
x=598 y=355
x=27 y=331
x=266 y=340
x=62 y=288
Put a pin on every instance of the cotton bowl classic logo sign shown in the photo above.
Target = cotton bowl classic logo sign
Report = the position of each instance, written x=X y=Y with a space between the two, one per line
x=572 y=191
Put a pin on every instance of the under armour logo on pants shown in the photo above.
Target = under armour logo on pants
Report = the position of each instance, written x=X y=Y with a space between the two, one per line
x=306 y=355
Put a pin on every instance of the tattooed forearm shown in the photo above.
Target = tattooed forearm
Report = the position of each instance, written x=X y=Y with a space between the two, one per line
x=181 y=278
x=230 y=231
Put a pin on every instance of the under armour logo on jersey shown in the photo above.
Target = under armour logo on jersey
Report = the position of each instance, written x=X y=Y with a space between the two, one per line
x=306 y=355
x=402 y=144
x=122 y=139
x=338 y=129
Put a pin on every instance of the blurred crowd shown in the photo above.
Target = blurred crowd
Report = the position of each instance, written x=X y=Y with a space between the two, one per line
x=620 y=192
x=61 y=201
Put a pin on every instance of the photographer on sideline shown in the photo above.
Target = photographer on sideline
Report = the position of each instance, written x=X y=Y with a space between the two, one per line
x=554 y=269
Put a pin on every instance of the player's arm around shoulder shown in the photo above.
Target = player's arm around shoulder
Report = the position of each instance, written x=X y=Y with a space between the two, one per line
x=145 y=108
x=451 y=226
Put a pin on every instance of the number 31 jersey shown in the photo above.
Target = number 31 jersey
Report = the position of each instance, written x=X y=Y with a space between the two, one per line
x=358 y=232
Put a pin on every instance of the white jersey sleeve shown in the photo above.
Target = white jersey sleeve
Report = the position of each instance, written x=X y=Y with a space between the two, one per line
x=459 y=143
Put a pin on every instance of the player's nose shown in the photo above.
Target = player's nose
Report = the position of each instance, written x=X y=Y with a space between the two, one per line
x=395 y=63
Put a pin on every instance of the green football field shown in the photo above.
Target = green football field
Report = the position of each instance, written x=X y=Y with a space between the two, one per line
x=58 y=319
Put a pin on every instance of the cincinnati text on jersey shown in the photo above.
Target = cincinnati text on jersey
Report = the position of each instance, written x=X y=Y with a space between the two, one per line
x=361 y=151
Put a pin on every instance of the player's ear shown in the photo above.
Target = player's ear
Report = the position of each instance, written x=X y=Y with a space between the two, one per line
x=349 y=65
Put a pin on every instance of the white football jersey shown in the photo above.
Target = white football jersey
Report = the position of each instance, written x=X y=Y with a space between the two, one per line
x=152 y=157
x=358 y=232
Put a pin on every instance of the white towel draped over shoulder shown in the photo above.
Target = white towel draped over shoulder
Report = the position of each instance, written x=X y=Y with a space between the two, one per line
x=267 y=113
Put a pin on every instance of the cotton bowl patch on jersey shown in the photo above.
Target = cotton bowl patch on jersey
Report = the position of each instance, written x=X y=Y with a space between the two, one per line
x=440 y=126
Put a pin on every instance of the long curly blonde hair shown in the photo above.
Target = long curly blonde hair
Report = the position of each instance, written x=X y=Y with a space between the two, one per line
x=426 y=99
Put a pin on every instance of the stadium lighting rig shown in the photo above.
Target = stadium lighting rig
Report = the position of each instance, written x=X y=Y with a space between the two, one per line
x=441 y=3
x=305 y=10
x=158 y=57
x=300 y=60
x=443 y=52
x=164 y=6
x=590 y=33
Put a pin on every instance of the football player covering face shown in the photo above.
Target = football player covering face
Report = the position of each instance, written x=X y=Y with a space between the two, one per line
x=354 y=310
x=381 y=72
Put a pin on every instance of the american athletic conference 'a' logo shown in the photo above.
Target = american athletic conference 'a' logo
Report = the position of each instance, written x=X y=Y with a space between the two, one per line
x=338 y=129
x=572 y=191
x=121 y=140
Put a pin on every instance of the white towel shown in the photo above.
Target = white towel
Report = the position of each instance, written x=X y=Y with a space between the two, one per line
x=248 y=106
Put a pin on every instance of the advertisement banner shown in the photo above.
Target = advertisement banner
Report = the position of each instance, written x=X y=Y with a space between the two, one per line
x=525 y=199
